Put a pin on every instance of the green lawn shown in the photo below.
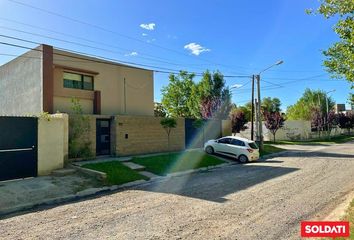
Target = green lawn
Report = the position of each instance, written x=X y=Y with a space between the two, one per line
x=333 y=140
x=268 y=149
x=117 y=173
x=163 y=164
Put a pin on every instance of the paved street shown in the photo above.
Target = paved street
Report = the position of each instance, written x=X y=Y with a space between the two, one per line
x=264 y=200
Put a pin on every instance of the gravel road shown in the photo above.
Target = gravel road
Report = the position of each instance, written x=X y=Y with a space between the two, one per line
x=264 y=200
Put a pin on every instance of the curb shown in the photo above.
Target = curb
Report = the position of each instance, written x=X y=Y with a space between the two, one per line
x=272 y=155
x=69 y=198
x=90 y=192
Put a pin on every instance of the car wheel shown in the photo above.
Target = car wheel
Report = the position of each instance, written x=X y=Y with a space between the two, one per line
x=243 y=159
x=209 y=149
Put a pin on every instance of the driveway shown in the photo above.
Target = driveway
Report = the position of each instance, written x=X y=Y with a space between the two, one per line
x=264 y=200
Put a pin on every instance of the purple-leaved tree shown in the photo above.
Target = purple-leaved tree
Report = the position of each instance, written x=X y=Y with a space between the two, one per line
x=238 y=121
x=273 y=121
x=346 y=121
x=317 y=120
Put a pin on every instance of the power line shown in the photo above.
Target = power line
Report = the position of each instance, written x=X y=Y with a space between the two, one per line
x=112 y=61
x=73 y=36
x=119 y=34
x=303 y=78
x=275 y=84
x=108 y=30
x=116 y=61
x=156 y=59
x=80 y=44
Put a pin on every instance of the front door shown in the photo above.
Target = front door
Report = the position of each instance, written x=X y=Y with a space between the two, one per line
x=103 y=137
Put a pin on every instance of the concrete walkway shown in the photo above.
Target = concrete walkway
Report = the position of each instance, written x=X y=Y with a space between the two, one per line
x=125 y=161
x=26 y=193
x=18 y=194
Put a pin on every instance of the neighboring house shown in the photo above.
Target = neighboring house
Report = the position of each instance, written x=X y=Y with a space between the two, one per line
x=340 y=108
x=46 y=79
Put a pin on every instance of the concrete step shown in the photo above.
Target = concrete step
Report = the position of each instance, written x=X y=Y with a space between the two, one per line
x=63 y=172
x=134 y=166
x=148 y=174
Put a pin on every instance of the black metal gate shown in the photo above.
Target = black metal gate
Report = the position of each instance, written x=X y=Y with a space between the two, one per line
x=196 y=136
x=18 y=147
x=103 y=137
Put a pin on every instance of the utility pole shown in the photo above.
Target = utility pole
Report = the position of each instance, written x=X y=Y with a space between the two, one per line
x=125 y=99
x=259 y=112
x=258 y=77
x=327 y=111
x=327 y=122
x=256 y=119
x=252 y=110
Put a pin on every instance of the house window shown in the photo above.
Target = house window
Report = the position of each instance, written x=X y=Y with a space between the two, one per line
x=78 y=81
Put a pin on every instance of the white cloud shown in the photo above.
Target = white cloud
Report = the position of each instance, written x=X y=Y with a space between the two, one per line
x=144 y=34
x=148 y=26
x=131 y=54
x=196 y=49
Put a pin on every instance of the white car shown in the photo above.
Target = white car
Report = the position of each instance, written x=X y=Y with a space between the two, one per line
x=243 y=149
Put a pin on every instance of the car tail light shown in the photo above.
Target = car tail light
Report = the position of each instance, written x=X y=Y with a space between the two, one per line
x=250 y=150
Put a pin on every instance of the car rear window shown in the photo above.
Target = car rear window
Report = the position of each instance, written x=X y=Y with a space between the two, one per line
x=253 y=145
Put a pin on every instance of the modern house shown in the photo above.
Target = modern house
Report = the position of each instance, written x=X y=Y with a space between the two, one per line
x=117 y=98
x=45 y=79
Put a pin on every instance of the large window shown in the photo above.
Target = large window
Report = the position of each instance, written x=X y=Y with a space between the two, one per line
x=78 y=81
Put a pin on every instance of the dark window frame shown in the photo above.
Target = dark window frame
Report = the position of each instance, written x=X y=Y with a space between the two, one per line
x=82 y=76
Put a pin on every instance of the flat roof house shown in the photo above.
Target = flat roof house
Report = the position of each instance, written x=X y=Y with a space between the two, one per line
x=117 y=98
x=45 y=79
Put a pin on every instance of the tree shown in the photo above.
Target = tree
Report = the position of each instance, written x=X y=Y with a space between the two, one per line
x=159 y=110
x=247 y=110
x=340 y=56
x=215 y=98
x=317 y=120
x=302 y=109
x=207 y=99
x=168 y=124
x=79 y=130
x=177 y=95
x=331 y=122
x=238 y=120
x=273 y=121
x=271 y=104
x=351 y=100
x=346 y=121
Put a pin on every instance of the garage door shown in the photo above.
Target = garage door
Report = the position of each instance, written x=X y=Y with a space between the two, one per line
x=18 y=147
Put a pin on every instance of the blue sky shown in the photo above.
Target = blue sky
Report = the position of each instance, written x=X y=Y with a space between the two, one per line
x=235 y=37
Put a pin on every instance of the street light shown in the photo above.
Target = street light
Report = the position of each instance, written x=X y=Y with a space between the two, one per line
x=327 y=110
x=258 y=77
x=275 y=64
x=235 y=86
